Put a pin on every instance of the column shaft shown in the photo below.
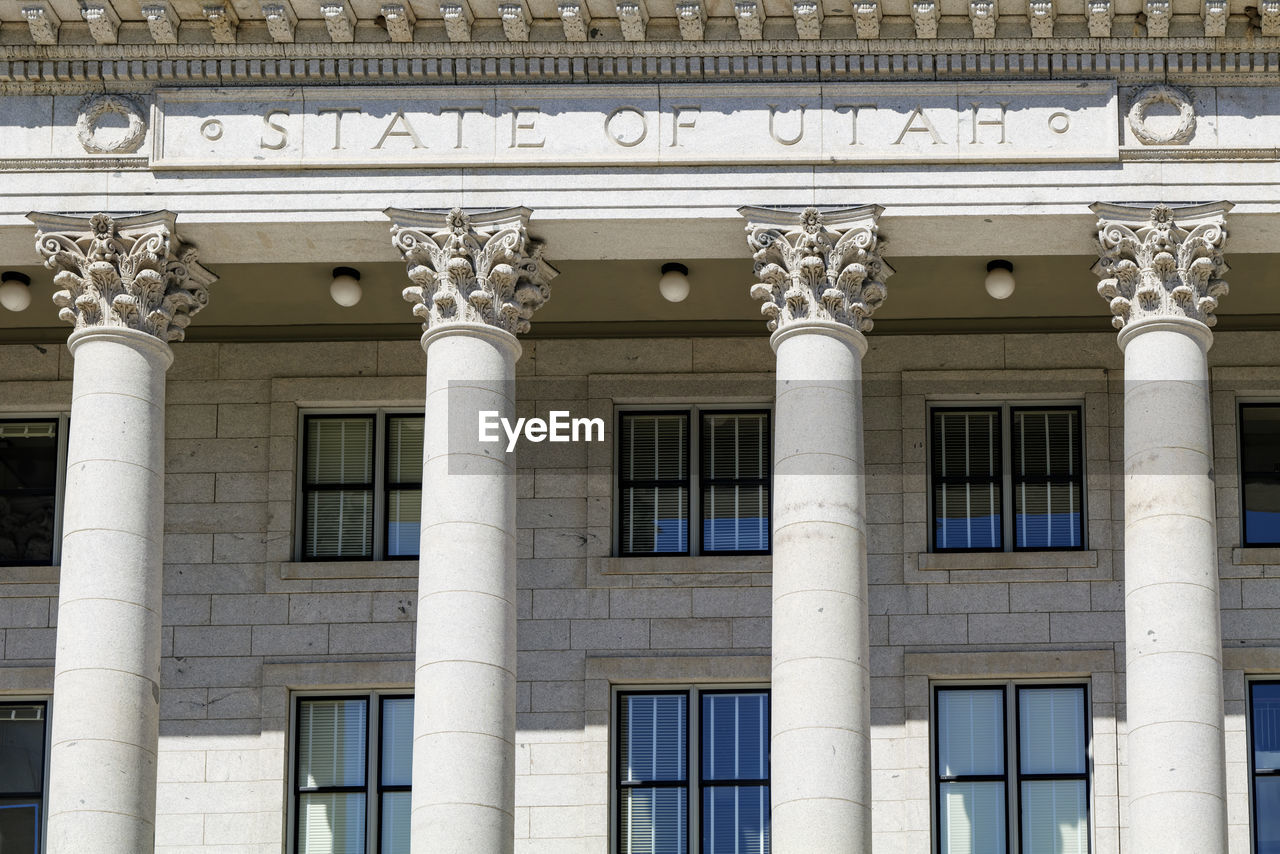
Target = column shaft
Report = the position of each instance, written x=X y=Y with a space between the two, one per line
x=465 y=683
x=820 y=749
x=105 y=727
x=1173 y=637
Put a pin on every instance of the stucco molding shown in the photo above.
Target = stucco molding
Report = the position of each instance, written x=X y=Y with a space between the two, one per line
x=132 y=272
x=1161 y=263
x=817 y=265
x=480 y=268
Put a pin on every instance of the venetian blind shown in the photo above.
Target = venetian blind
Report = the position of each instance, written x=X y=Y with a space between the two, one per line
x=1045 y=449
x=735 y=746
x=339 y=487
x=973 y=818
x=654 y=469
x=396 y=770
x=966 y=470
x=970 y=732
x=735 y=501
x=332 y=738
x=653 y=738
x=404 y=482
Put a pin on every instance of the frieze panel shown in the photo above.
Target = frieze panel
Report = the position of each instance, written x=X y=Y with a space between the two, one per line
x=641 y=125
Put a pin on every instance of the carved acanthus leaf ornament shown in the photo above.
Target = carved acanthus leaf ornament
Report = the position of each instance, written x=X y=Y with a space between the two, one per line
x=1169 y=265
x=472 y=268
x=817 y=266
x=130 y=272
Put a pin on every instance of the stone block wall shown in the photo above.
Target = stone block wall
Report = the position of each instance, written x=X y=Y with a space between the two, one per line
x=247 y=625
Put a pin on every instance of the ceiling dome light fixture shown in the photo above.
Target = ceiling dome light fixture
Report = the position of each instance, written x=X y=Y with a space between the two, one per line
x=15 y=291
x=999 y=281
x=674 y=284
x=345 y=289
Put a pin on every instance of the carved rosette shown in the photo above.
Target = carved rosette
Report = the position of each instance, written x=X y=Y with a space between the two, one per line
x=479 y=268
x=817 y=265
x=131 y=272
x=1161 y=262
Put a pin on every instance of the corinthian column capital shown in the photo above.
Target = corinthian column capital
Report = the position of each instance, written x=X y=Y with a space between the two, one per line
x=1161 y=263
x=817 y=265
x=131 y=272
x=477 y=268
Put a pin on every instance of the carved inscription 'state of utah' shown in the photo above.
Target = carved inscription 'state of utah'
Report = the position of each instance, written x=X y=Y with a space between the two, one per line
x=676 y=124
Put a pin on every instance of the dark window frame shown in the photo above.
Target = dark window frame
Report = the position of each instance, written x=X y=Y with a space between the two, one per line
x=390 y=486
x=40 y=796
x=620 y=785
x=1254 y=773
x=373 y=788
x=1006 y=478
x=703 y=783
x=939 y=778
x=381 y=787
x=693 y=757
x=695 y=448
x=379 y=489
x=625 y=483
x=1077 y=464
x=1018 y=688
x=936 y=479
x=1009 y=689
x=61 y=423
x=704 y=482
x=298 y=790
x=1245 y=541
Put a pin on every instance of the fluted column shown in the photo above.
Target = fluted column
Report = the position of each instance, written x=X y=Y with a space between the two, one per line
x=477 y=279
x=129 y=287
x=1160 y=269
x=821 y=277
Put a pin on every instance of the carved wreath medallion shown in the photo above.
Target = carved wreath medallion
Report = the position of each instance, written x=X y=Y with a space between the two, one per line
x=1152 y=95
x=97 y=139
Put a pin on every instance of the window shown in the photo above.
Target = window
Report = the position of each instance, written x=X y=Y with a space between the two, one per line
x=1039 y=808
x=1260 y=472
x=660 y=807
x=361 y=486
x=730 y=480
x=32 y=455
x=989 y=490
x=1264 y=735
x=23 y=736
x=336 y=810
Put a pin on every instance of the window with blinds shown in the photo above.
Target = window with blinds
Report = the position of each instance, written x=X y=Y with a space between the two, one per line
x=656 y=740
x=361 y=486
x=29 y=479
x=654 y=482
x=22 y=779
x=694 y=481
x=1006 y=477
x=1264 y=761
x=735 y=481
x=967 y=496
x=1045 y=458
x=735 y=772
x=336 y=810
x=1050 y=792
x=1053 y=780
x=1260 y=473
x=653 y=780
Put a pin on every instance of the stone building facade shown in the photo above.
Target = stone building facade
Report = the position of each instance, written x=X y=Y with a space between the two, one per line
x=893 y=564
